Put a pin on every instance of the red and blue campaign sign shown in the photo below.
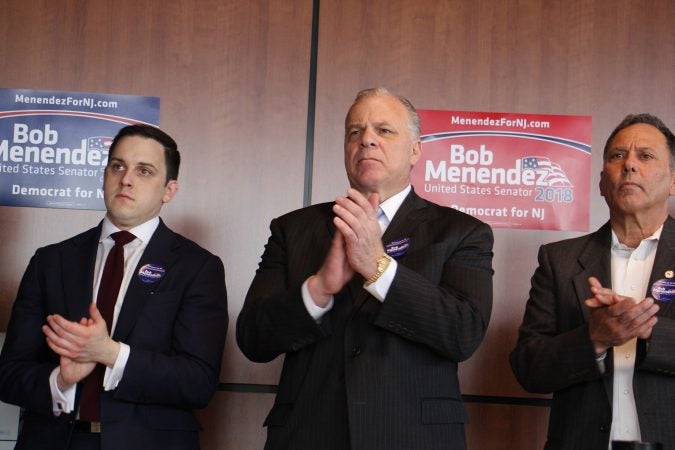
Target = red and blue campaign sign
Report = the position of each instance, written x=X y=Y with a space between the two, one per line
x=509 y=170
x=54 y=145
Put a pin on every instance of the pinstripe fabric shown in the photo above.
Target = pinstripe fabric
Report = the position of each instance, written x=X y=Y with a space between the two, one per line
x=554 y=352
x=371 y=375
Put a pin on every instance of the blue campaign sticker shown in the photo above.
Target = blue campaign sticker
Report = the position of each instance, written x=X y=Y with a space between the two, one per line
x=663 y=290
x=151 y=273
x=397 y=248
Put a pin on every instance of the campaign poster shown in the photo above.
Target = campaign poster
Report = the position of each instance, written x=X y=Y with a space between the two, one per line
x=54 y=145
x=519 y=171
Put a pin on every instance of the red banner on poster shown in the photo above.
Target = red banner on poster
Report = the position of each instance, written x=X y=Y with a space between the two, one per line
x=521 y=171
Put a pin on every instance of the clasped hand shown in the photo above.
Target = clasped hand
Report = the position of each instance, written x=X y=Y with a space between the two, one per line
x=80 y=345
x=615 y=319
x=356 y=245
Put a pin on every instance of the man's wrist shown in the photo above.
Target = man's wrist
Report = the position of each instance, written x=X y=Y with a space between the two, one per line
x=319 y=296
x=382 y=263
x=61 y=383
x=112 y=352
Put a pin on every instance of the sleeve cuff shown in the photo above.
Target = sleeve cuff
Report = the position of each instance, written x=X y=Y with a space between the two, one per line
x=113 y=375
x=62 y=401
x=380 y=288
x=315 y=311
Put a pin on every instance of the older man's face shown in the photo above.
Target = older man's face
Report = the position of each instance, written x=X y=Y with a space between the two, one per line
x=379 y=148
x=637 y=175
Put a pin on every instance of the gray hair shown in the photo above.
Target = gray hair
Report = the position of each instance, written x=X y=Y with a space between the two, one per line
x=413 y=117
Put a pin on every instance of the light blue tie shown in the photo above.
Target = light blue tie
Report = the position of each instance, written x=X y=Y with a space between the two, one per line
x=382 y=219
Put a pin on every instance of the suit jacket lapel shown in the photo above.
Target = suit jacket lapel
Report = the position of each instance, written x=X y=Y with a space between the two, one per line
x=160 y=252
x=406 y=220
x=663 y=262
x=78 y=264
x=409 y=215
x=595 y=260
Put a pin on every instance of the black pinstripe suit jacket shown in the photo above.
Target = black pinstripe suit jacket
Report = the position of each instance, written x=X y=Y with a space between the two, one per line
x=371 y=375
x=554 y=352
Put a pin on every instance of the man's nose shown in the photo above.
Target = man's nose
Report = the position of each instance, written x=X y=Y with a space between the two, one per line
x=126 y=178
x=630 y=163
x=368 y=137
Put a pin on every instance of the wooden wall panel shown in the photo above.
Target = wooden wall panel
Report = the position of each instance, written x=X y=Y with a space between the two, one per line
x=233 y=77
x=233 y=421
x=506 y=427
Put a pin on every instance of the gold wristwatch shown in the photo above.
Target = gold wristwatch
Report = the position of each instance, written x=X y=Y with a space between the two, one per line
x=382 y=264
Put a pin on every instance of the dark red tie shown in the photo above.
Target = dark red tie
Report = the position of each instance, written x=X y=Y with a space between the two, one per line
x=108 y=289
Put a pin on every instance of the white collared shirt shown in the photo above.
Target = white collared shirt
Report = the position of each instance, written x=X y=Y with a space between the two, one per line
x=64 y=401
x=379 y=288
x=631 y=270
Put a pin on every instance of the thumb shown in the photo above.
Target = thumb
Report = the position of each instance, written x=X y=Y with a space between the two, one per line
x=594 y=282
x=374 y=200
x=94 y=313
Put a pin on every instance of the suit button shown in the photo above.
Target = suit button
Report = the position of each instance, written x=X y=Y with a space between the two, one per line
x=604 y=428
x=356 y=351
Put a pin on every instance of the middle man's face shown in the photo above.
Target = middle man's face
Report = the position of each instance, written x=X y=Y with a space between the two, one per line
x=379 y=149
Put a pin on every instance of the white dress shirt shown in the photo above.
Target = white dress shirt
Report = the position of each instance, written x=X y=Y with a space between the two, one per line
x=64 y=401
x=631 y=269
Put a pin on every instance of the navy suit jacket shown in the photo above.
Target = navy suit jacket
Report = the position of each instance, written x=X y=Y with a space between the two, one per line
x=554 y=352
x=175 y=327
x=371 y=375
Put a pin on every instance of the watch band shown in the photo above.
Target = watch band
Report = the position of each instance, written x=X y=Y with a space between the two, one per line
x=382 y=264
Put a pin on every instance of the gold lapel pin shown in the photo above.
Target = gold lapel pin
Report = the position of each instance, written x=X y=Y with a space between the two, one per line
x=669 y=274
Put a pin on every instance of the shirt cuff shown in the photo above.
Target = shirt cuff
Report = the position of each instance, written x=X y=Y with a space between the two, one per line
x=113 y=375
x=62 y=401
x=313 y=309
x=380 y=288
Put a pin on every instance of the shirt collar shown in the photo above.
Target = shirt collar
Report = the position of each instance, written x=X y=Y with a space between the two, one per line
x=391 y=205
x=143 y=231
x=616 y=245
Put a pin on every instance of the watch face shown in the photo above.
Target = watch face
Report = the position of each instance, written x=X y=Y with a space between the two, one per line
x=382 y=264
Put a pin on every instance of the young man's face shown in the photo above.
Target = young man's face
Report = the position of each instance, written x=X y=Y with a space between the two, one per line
x=134 y=184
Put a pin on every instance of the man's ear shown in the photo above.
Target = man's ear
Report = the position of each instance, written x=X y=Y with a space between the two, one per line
x=171 y=189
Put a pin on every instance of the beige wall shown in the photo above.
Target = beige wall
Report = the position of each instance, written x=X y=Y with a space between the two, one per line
x=233 y=78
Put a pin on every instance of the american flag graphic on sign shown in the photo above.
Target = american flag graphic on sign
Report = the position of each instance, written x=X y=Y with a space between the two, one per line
x=555 y=175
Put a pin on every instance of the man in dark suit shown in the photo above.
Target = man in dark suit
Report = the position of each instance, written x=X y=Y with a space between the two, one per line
x=599 y=327
x=163 y=356
x=372 y=325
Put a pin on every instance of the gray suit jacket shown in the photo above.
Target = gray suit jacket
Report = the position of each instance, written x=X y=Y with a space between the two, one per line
x=554 y=352
x=371 y=375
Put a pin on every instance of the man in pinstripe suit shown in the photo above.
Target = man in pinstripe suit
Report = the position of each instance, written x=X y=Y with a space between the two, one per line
x=372 y=313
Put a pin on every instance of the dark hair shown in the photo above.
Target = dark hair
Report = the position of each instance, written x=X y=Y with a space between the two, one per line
x=171 y=154
x=647 y=119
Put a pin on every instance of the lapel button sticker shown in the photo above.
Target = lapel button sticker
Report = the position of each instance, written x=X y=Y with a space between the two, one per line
x=151 y=273
x=397 y=248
